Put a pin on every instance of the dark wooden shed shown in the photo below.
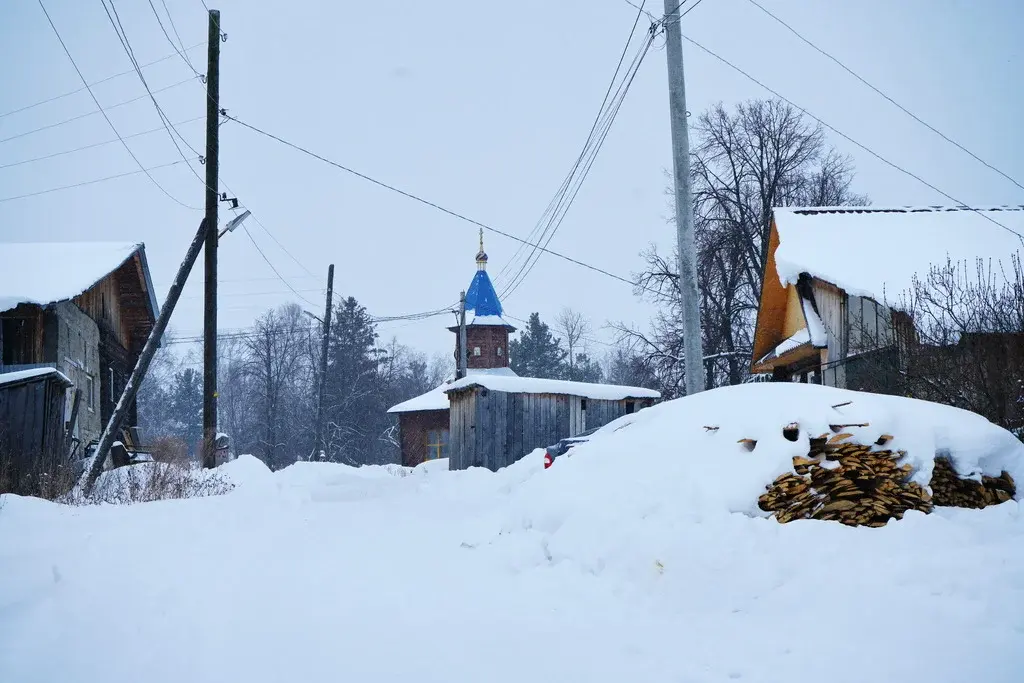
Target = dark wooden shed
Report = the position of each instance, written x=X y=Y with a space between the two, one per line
x=31 y=424
x=495 y=421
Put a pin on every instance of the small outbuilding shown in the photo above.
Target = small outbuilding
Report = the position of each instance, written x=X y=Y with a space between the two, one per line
x=496 y=420
x=32 y=429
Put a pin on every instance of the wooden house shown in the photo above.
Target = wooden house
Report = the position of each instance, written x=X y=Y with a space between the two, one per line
x=85 y=309
x=501 y=417
x=496 y=420
x=836 y=280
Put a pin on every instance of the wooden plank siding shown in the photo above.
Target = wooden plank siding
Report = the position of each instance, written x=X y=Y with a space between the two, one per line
x=494 y=429
x=31 y=431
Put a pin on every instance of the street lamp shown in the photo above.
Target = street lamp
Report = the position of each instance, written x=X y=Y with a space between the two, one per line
x=234 y=223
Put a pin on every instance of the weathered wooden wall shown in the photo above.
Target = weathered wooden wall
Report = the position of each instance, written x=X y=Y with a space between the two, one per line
x=494 y=429
x=21 y=338
x=31 y=429
x=413 y=428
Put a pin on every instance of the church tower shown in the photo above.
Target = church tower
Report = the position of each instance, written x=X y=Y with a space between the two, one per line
x=486 y=331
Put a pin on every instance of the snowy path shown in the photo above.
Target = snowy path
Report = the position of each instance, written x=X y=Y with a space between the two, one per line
x=320 y=573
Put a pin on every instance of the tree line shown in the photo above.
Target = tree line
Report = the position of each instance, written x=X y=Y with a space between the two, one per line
x=268 y=383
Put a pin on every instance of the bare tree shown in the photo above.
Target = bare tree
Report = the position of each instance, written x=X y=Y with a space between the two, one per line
x=762 y=155
x=959 y=340
x=573 y=328
x=277 y=363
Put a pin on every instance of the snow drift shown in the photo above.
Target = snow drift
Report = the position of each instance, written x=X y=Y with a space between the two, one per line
x=642 y=556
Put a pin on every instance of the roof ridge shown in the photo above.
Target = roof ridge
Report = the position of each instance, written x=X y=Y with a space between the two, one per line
x=814 y=210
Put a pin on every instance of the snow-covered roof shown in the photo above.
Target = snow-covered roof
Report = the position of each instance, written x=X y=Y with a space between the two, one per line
x=876 y=252
x=437 y=399
x=488 y=321
x=33 y=373
x=46 y=272
x=534 y=385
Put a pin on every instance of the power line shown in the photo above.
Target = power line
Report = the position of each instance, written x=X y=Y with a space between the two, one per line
x=95 y=144
x=105 y=116
x=278 y=274
x=887 y=97
x=595 y=149
x=434 y=205
x=852 y=141
x=102 y=80
x=93 y=113
x=271 y=235
x=548 y=218
x=97 y=180
x=159 y=21
x=115 y=22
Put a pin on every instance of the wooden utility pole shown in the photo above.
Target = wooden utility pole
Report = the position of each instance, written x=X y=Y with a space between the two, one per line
x=146 y=357
x=212 y=198
x=463 y=353
x=688 y=293
x=319 y=442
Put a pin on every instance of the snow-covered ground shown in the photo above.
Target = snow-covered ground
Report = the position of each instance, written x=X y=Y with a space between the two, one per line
x=642 y=557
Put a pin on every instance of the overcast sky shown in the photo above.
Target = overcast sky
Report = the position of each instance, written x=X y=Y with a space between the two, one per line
x=480 y=107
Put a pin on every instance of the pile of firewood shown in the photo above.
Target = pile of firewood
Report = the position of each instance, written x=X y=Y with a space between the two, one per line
x=950 y=490
x=865 y=485
x=845 y=482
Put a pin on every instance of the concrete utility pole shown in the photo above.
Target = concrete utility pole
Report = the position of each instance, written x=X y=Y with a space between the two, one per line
x=212 y=197
x=319 y=443
x=463 y=352
x=689 y=296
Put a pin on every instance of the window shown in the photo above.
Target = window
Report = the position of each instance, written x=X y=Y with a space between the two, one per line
x=630 y=407
x=499 y=351
x=476 y=350
x=583 y=404
x=437 y=444
x=90 y=393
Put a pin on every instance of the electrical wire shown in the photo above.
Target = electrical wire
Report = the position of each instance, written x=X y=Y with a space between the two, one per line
x=95 y=144
x=170 y=19
x=105 y=116
x=597 y=144
x=276 y=272
x=115 y=22
x=434 y=205
x=102 y=80
x=93 y=113
x=852 y=141
x=97 y=180
x=548 y=218
x=263 y=227
x=884 y=95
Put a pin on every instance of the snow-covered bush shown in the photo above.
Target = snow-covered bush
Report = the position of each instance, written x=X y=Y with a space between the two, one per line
x=149 y=481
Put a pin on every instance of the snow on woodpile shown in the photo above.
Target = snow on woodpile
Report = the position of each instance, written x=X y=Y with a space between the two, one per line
x=47 y=272
x=875 y=252
x=534 y=385
x=720 y=450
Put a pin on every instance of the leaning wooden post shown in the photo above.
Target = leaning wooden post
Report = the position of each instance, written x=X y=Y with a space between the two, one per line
x=145 y=358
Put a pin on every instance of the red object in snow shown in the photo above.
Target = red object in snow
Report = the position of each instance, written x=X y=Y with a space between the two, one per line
x=547 y=460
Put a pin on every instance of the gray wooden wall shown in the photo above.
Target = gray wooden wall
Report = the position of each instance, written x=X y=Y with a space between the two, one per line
x=493 y=429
